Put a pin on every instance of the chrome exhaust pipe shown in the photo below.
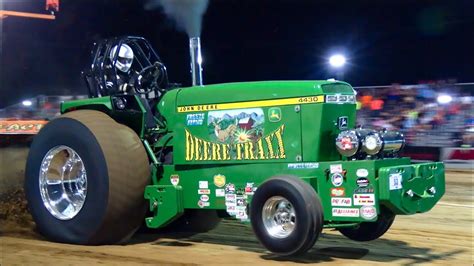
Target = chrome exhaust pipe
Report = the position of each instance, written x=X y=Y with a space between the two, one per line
x=196 y=60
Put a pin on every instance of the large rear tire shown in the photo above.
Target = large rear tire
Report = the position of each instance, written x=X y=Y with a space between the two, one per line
x=286 y=215
x=85 y=177
x=368 y=231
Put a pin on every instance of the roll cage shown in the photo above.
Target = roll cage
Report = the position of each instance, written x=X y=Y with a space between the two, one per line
x=101 y=77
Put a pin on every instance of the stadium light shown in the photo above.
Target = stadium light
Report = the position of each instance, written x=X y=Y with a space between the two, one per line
x=337 y=60
x=26 y=103
x=444 y=99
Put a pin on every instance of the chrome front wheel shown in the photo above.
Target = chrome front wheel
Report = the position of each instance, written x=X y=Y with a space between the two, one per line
x=63 y=182
x=279 y=217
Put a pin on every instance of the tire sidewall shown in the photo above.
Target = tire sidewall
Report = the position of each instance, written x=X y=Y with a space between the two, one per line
x=81 y=228
x=294 y=242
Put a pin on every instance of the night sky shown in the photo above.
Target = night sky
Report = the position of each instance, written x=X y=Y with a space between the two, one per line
x=243 y=40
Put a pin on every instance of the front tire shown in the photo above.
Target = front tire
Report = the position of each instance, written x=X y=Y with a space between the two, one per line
x=286 y=215
x=368 y=231
x=108 y=183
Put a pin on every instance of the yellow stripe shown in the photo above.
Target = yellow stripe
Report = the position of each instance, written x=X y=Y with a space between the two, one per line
x=251 y=104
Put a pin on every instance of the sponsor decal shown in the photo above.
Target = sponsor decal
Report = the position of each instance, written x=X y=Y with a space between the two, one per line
x=230 y=189
x=345 y=212
x=204 y=191
x=335 y=168
x=250 y=189
x=364 y=199
x=342 y=122
x=274 y=114
x=230 y=197
x=303 y=165
x=362 y=172
x=174 y=180
x=241 y=213
x=21 y=127
x=338 y=192
x=219 y=180
x=247 y=147
x=231 y=209
x=241 y=201
x=195 y=119
x=251 y=104
x=337 y=179
x=362 y=182
x=220 y=192
x=203 y=184
x=362 y=190
x=203 y=204
x=204 y=198
x=368 y=212
x=395 y=181
x=344 y=202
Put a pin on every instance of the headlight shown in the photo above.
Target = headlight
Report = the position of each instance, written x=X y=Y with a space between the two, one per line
x=347 y=143
x=372 y=144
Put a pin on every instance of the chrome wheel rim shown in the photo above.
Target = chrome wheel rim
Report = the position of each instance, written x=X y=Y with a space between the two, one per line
x=279 y=217
x=63 y=182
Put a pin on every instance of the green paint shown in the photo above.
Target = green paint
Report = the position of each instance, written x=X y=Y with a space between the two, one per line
x=291 y=132
x=165 y=204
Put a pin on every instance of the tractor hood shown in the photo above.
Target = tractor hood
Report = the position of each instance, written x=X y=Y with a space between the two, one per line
x=257 y=91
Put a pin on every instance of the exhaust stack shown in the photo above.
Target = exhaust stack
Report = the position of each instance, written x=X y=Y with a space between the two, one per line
x=196 y=60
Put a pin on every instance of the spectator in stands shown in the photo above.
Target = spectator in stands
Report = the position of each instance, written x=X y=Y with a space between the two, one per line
x=365 y=99
x=376 y=106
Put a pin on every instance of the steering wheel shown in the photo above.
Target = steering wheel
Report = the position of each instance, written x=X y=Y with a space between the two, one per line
x=149 y=79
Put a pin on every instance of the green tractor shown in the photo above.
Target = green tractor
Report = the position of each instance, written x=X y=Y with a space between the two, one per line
x=283 y=155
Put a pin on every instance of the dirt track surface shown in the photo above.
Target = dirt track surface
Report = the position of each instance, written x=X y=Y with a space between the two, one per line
x=442 y=236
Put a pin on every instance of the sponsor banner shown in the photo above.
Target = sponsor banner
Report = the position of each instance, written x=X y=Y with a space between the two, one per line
x=364 y=199
x=458 y=155
x=204 y=198
x=341 y=202
x=26 y=127
x=345 y=212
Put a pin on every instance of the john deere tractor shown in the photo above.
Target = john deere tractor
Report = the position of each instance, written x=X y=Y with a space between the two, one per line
x=284 y=156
